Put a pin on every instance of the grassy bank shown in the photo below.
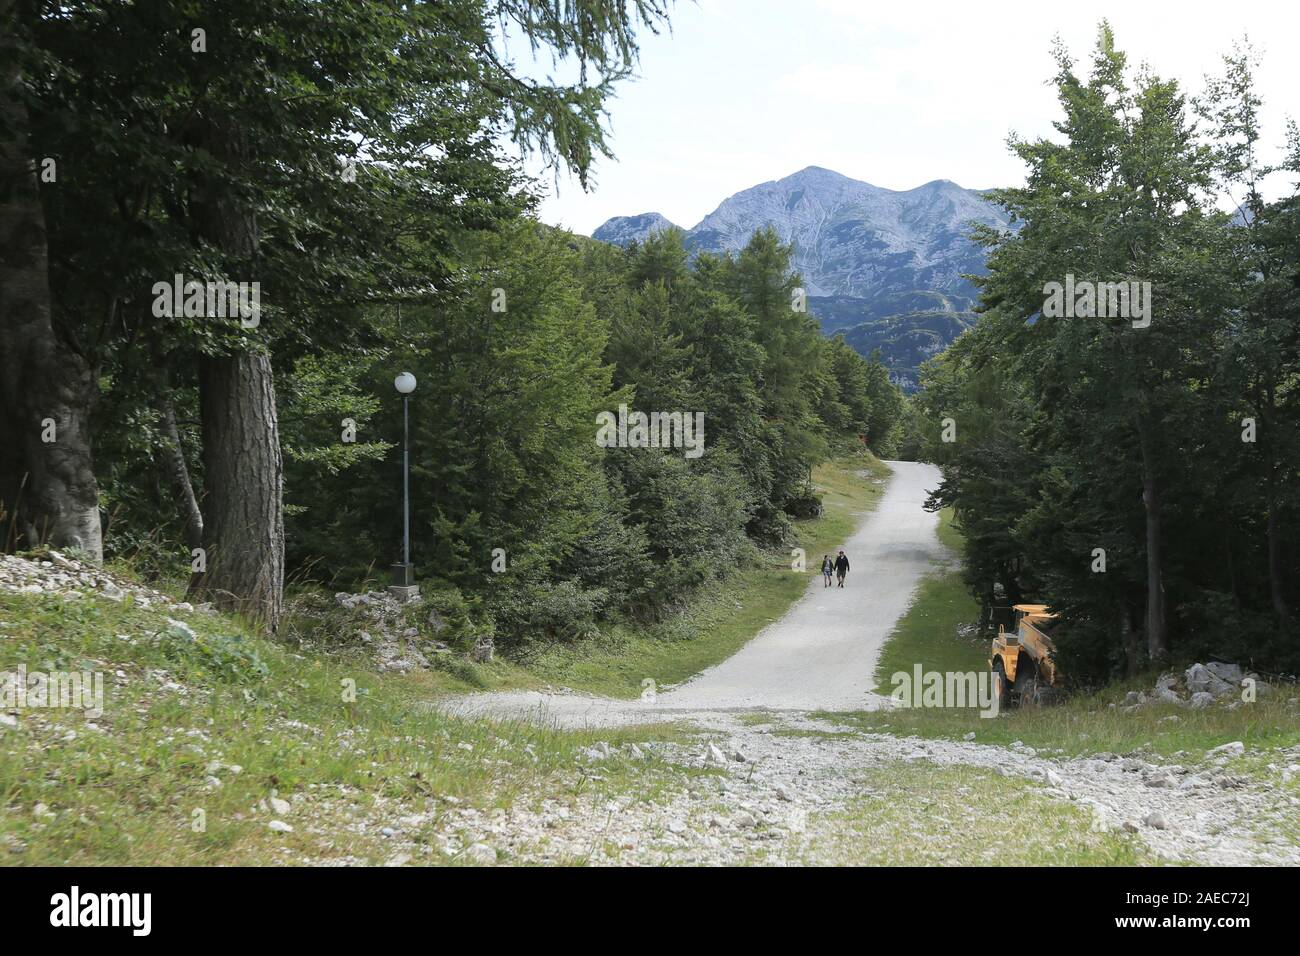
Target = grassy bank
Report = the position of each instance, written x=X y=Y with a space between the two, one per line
x=719 y=623
x=199 y=734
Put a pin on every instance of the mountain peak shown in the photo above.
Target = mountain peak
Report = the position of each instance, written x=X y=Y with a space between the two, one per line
x=816 y=173
x=622 y=230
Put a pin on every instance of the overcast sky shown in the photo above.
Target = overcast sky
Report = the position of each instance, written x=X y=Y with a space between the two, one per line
x=746 y=91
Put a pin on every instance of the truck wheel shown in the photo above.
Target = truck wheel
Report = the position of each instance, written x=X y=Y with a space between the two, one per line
x=1027 y=683
x=1000 y=686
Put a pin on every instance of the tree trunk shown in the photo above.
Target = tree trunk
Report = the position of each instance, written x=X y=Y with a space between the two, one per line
x=47 y=479
x=1276 y=588
x=1275 y=572
x=243 y=473
x=243 y=478
x=1156 y=625
x=178 y=473
x=1132 y=645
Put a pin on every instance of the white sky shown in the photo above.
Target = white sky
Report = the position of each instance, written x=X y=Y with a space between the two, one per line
x=745 y=91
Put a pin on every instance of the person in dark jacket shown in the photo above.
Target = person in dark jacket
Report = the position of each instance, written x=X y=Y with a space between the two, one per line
x=841 y=567
x=828 y=568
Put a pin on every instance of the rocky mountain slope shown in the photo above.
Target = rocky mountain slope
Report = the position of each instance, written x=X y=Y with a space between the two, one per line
x=882 y=266
x=622 y=230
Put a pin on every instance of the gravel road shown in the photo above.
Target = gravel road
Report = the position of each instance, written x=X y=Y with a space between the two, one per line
x=821 y=655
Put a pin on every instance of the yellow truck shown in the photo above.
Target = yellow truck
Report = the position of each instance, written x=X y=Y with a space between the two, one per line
x=1024 y=671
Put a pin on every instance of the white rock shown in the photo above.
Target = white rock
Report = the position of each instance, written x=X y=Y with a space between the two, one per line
x=1201 y=679
x=1232 y=673
x=282 y=807
x=1156 y=821
x=481 y=854
x=182 y=627
x=1161 y=778
x=279 y=826
x=1234 y=749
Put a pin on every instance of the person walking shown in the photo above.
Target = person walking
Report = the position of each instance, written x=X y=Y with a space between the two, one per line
x=828 y=568
x=841 y=567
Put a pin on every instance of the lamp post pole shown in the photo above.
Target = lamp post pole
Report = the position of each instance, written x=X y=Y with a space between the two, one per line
x=406 y=480
x=403 y=586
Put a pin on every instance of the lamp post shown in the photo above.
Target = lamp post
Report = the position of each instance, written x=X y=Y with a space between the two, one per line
x=403 y=585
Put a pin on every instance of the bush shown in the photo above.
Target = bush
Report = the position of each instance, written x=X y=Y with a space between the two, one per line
x=543 y=611
x=227 y=657
x=446 y=615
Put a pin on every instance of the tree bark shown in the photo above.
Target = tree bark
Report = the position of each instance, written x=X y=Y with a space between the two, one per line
x=178 y=473
x=243 y=477
x=243 y=472
x=47 y=479
x=1156 y=625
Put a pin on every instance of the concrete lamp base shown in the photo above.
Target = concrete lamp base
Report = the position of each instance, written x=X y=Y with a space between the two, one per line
x=405 y=593
x=404 y=587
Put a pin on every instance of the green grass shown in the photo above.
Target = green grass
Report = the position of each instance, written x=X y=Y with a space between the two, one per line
x=720 y=622
x=923 y=815
x=128 y=787
x=1088 y=724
